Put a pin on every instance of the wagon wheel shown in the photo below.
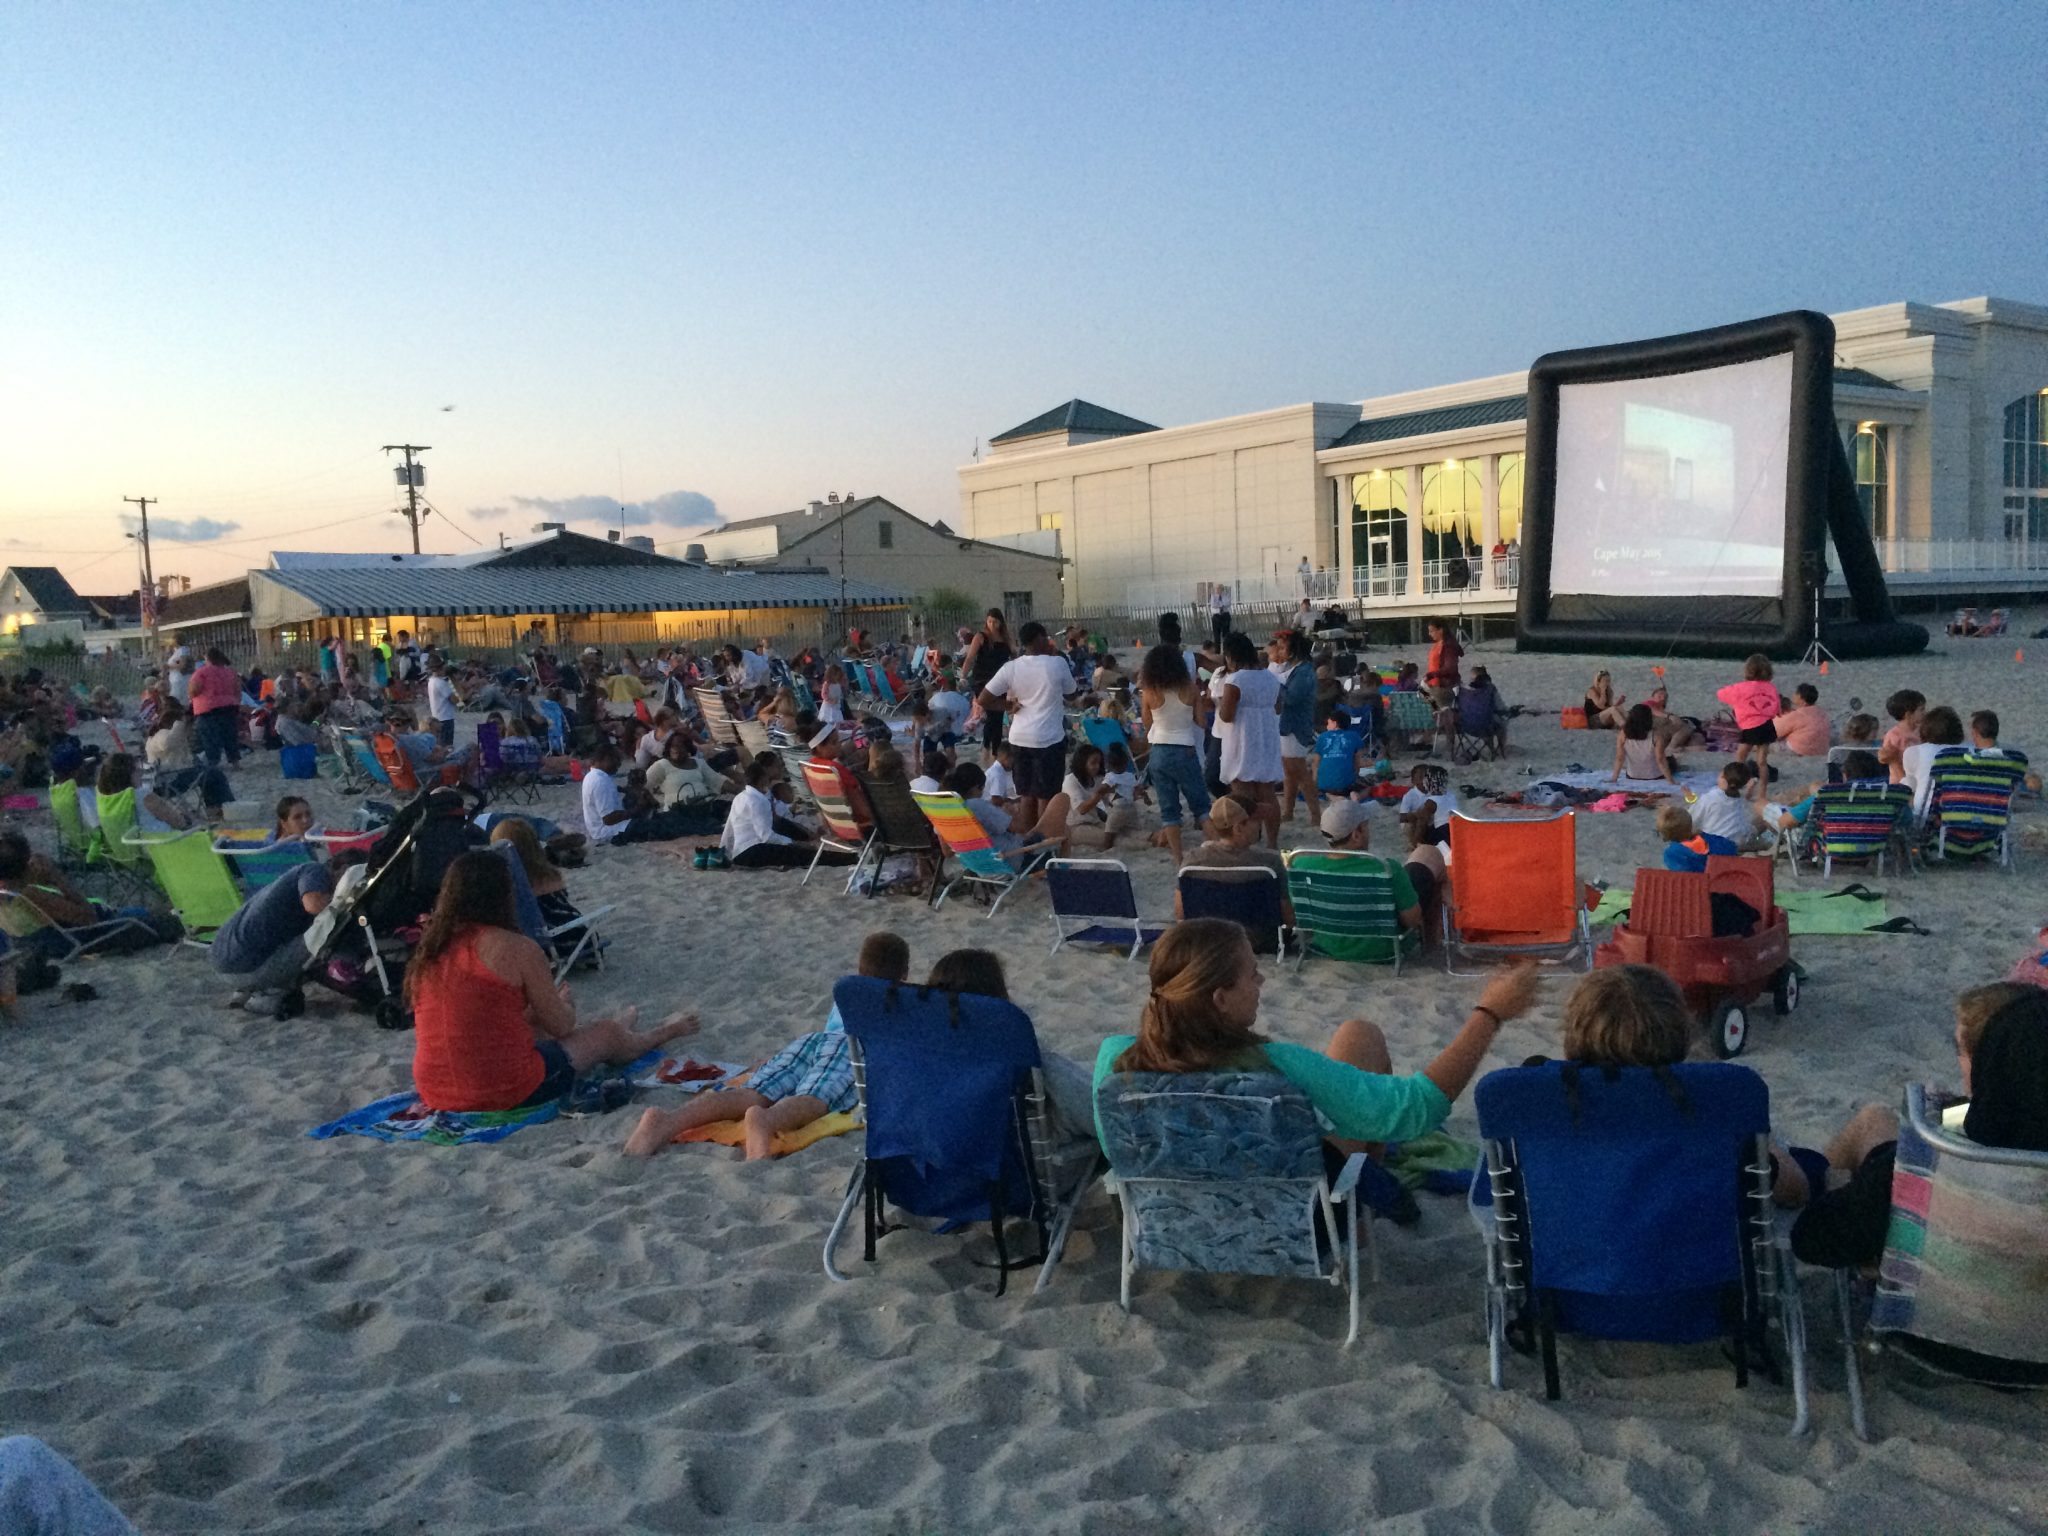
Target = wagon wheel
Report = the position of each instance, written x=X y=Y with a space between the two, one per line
x=1728 y=1028
x=1785 y=990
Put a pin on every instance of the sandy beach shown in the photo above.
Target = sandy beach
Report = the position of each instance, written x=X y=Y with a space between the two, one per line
x=231 y=1327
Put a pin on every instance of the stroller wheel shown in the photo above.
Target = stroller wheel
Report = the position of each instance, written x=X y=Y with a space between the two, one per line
x=391 y=1014
x=1785 y=990
x=290 y=1005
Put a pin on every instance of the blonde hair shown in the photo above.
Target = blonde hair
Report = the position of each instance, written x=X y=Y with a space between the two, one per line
x=525 y=842
x=1674 y=824
x=1181 y=1029
x=1627 y=1016
x=1226 y=816
x=1976 y=1008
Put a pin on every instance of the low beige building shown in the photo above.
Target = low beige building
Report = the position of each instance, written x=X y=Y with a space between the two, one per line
x=871 y=539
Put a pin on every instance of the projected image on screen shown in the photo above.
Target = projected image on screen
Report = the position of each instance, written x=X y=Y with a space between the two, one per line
x=1674 y=485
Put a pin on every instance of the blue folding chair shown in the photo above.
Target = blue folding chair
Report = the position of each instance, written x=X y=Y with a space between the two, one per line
x=1099 y=894
x=558 y=726
x=1633 y=1203
x=1106 y=733
x=959 y=1130
x=1249 y=897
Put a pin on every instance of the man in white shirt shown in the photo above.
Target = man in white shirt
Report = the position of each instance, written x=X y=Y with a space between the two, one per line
x=606 y=818
x=441 y=701
x=179 y=674
x=756 y=838
x=1036 y=685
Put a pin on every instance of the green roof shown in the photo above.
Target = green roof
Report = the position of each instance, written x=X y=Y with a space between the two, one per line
x=1448 y=418
x=1862 y=378
x=1077 y=416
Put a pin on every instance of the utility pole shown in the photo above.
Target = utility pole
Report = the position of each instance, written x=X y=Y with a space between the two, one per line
x=412 y=477
x=148 y=571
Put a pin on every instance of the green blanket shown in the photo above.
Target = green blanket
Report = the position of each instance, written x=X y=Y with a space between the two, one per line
x=1808 y=912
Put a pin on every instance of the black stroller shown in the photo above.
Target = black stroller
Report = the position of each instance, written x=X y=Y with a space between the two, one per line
x=377 y=918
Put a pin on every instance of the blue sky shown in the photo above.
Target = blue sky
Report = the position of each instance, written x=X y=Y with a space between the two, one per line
x=756 y=253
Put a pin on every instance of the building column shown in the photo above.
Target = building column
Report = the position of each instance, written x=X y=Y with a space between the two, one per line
x=1340 y=557
x=1413 y=472
x=1895 y=491
x=1489 y=521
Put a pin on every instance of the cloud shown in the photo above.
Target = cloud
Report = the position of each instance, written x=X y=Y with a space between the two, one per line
x=671 y=509
x=184 y=530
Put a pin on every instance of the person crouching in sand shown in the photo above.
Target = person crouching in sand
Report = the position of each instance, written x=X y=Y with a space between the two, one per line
x=807 y=1079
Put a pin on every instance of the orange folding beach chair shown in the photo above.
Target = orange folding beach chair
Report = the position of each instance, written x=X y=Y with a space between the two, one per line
x=1515 y=892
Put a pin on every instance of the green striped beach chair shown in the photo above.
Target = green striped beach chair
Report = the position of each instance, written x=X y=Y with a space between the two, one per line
x=1969 y=805
x=1965 y=1263
x=1345 y=907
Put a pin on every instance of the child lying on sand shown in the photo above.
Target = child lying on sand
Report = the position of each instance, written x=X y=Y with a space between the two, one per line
x=809 y=1078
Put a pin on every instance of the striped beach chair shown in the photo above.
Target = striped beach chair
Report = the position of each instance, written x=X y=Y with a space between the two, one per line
x=970 y=847
x=1965 y=1263
x=845 y=828
x=1413 y=714
x=1858 y=822
x=1969 y=805
x=1345 y=908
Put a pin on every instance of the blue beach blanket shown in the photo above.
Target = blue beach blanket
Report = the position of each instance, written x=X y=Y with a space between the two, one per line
x=402 y=1117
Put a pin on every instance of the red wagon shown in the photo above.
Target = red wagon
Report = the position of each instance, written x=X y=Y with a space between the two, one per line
x=1670 y=925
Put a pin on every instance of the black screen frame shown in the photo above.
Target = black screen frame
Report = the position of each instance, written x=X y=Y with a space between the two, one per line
x=1699 y=625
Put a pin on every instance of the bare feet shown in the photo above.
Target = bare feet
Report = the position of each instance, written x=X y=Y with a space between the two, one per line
x=674 y=1027
x=657 y=1128
x=760 y=1142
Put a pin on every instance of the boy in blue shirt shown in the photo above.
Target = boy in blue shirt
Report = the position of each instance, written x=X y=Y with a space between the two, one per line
x=1337 y=752
x=1684 y=849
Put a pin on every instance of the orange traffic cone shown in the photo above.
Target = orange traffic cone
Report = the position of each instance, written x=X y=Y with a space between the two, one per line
x=1823 y=669
x=1656 y=671
x=2019 y=655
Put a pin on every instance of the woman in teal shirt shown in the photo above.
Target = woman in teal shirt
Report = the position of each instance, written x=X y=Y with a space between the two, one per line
x=1205 y=1002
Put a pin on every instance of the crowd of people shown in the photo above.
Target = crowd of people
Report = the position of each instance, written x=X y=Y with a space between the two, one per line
x=1216 y=748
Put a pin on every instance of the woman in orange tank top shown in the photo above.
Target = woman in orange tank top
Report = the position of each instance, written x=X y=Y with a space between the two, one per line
x=491 y=1028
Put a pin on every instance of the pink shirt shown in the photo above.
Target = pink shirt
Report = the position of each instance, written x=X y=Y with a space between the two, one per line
x=215 y=688
x=1754 y=703
x=1806 y=731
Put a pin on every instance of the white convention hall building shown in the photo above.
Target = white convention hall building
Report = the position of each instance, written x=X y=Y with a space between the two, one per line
x=1413 y=502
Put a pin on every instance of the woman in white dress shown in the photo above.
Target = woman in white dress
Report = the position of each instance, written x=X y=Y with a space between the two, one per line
x=1248 y=723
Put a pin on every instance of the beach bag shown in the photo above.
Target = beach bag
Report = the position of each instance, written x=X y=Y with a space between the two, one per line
x=1575 y=718
x=297 y=762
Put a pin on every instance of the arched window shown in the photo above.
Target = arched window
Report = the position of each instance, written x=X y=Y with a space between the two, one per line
x=2026 y=467
x=1870 y=456
x=1510 y=497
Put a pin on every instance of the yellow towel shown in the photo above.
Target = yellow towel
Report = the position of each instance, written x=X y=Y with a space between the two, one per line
x=731 y=1133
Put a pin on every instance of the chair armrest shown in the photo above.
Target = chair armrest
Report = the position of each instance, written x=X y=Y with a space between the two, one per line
x=1347 y=1178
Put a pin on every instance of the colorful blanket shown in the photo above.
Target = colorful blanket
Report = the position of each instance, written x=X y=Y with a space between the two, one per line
x=402 y=1117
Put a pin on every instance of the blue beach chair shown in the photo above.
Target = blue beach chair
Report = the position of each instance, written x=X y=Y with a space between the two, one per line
x=558 y=726
x=1248 y=897
x=1097 y=893
x=1633 y=1204
x=959 y=1129
x=1222 y=1172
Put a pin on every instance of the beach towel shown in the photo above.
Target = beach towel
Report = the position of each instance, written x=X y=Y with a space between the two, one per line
x=1437 y=1162
x=402 y=1117
x=1855 y=909
x=1603 y=779
x=731 y=1133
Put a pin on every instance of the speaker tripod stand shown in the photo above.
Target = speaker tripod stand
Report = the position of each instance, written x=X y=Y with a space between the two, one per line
x=1816 y=654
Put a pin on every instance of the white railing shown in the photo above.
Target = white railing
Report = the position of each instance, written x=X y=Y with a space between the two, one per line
x=1933 y=557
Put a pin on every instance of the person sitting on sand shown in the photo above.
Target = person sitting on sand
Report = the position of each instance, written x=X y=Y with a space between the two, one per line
x=491 y=1028
x=1202 y=1016
x=1604 y=707
x=755 y=837
x=807 y=1079
x=1674 y=733
x=1637 y=756
x=1686 y=849
x=1725 y=810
